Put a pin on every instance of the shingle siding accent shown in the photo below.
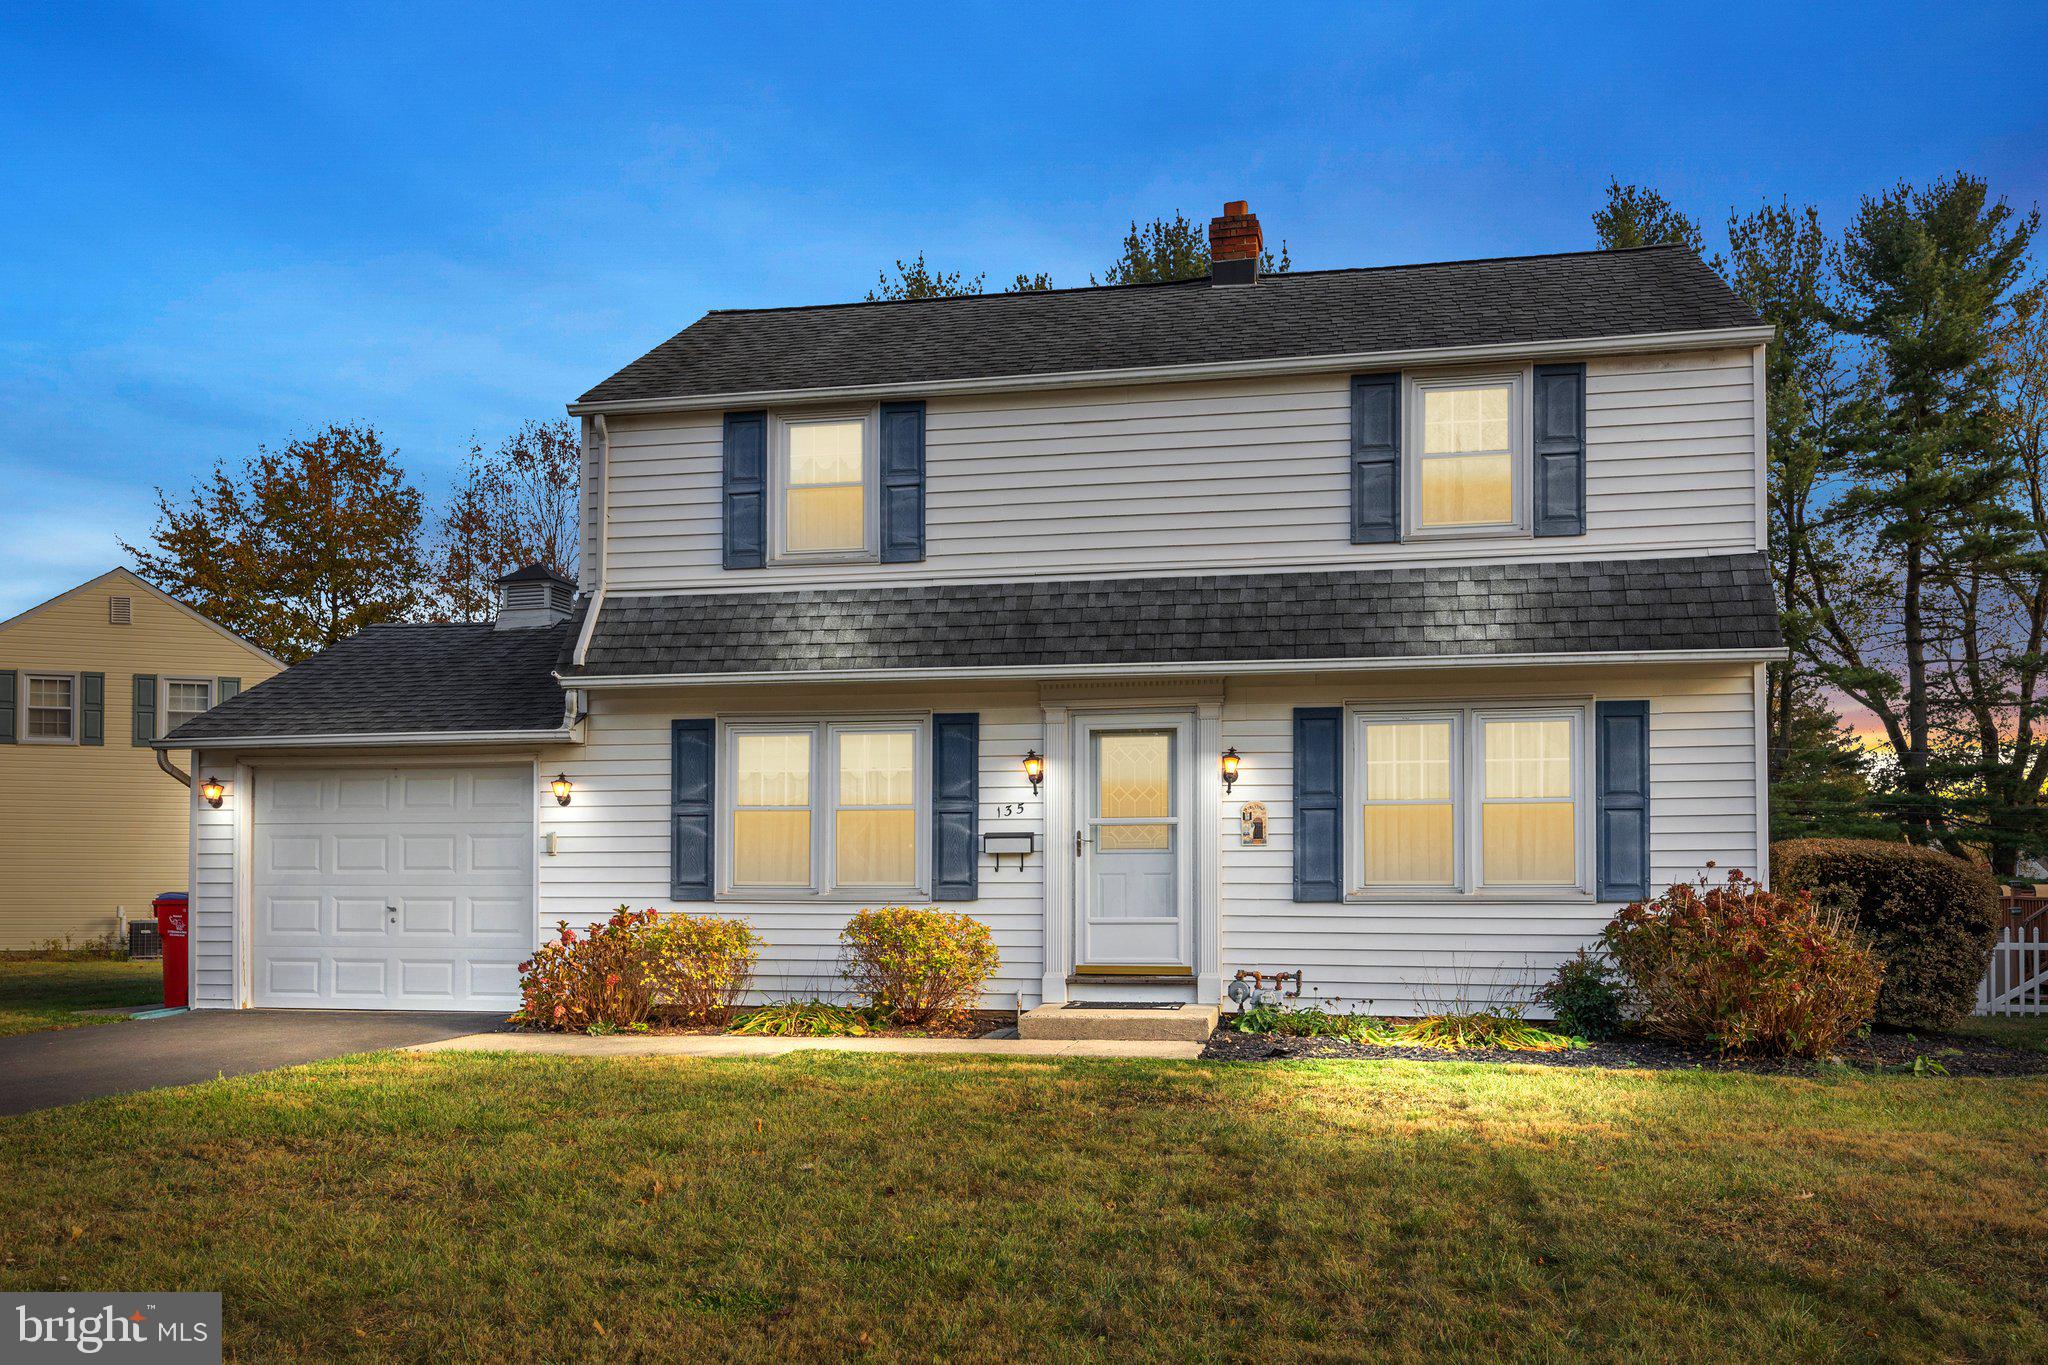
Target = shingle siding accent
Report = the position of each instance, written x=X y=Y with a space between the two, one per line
x=404 y=680
x=1707 y=602
x=1300 y=315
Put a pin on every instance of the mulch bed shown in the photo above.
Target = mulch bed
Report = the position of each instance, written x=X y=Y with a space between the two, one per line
x=1957 y=1056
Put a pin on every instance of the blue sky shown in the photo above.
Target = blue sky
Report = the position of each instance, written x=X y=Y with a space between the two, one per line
x=225 y=224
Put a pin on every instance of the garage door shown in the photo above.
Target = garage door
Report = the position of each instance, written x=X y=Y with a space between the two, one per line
x=393 y=888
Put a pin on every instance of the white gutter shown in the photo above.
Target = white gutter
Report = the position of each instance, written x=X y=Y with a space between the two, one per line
x=604 y=538
x=564 y=735
x=1353 y=360
x=1207 y=668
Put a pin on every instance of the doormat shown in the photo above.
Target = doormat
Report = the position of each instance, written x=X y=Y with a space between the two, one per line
x=1116 y=1005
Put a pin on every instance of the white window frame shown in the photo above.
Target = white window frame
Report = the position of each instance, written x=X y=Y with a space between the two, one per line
x=163 y=701
x=1519 y=384
x=31 y=676
x=824 y=807
x=1468 y=789
x=871 y=486
x=1355 y=785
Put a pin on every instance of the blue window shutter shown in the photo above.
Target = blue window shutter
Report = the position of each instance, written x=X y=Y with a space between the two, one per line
x=693 y=808
x=9 y=682
x=143 y=728
x=223 y=688
x=92 y=708
x=1375 y=458
x=1560 y=450
x=1318 y=803
x=902 y=469
x=956 y=807
x=1622 y=823
x=746 y=490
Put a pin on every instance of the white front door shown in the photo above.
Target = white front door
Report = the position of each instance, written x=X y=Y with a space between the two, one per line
x=392 y=888
x=1133 y=846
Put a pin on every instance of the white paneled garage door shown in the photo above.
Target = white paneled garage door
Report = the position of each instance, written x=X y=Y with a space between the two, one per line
x=392 y=888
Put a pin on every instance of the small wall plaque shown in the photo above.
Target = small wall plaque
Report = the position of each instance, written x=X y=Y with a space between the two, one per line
x=1251 y=823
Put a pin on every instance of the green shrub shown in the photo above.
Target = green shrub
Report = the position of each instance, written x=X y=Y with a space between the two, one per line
x=611 y=975
x=1584 y=997
x=917 y=967
x=1307 y=1021
x=803 y=1019
x=1932 y=918
x=1743 y=970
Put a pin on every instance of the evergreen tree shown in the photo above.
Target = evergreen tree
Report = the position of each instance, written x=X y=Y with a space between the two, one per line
x=1637 y=216
x=1174 y=249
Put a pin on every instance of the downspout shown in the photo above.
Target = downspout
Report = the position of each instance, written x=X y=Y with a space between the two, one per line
x=604 y=538
x=163 y=760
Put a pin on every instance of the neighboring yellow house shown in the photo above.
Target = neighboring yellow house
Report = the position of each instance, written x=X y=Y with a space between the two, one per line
x=91 y=829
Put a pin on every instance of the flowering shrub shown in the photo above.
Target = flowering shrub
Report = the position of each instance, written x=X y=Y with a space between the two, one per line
x=917 y=967
x=1744 y=970
x=613 y=974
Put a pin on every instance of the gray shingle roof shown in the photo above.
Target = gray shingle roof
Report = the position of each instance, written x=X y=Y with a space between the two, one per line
x=1304 y=314
x=1706 y=602
x=401 y=680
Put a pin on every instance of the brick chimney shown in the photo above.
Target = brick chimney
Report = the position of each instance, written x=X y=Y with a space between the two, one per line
x=1235 y=245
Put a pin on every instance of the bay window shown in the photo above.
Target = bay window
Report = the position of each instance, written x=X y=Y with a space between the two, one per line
x=825 y=808
x=1468 y=799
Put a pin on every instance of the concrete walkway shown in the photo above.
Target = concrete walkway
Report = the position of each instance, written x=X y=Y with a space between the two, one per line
x=64 y=1066
x=729 y=1045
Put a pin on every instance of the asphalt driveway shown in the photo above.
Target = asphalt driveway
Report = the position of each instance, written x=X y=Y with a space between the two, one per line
x=64 y=1066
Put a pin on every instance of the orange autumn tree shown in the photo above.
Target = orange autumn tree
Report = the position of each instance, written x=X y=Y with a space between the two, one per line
x=299 y=547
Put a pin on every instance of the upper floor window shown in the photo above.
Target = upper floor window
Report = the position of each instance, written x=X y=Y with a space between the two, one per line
x=1466 y=454
x=185 y=699
x=1469 y=799
x=50 y=712
x=824 y=480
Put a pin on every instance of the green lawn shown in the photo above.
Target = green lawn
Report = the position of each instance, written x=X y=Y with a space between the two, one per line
x=38 y=993
x=2029 y=1031
x=829 y=1206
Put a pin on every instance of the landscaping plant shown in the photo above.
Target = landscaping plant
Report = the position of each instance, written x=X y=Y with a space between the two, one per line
x=1584 y=997
x=613 y=974
x=1744 y=970
x=1309 y=1021
x=803 y=1019
x=1932 y=918
x=1480 y=1029
x=918 y=967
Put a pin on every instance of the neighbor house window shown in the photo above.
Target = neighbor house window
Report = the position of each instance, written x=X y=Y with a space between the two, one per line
x=1466 y=454
x=1468 y=799
x=50 y=709
x=825 y=808
x=825 y=475
x=184 y=699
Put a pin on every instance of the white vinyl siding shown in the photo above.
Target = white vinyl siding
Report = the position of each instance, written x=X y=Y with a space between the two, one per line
x=1235 y=476
x=1392 y=953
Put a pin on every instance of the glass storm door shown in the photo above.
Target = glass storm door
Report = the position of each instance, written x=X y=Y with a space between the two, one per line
x=1132 y=848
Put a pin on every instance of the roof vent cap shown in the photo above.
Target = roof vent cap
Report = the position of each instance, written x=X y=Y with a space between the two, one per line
x=534 y=596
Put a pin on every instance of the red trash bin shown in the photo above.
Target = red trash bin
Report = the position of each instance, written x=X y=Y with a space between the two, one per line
x=170 y=932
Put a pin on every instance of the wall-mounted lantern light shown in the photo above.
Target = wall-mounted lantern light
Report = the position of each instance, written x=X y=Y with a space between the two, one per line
x=561 y=787
x=1229 y=770
x=1034 y=770
x=211 y=791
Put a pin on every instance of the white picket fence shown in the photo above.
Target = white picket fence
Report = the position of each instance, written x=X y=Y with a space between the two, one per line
x=2017 y=980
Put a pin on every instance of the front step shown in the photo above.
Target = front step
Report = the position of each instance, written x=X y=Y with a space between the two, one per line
x=1187 y=1024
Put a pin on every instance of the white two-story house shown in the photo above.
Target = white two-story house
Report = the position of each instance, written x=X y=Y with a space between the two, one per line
x=1391 y=626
